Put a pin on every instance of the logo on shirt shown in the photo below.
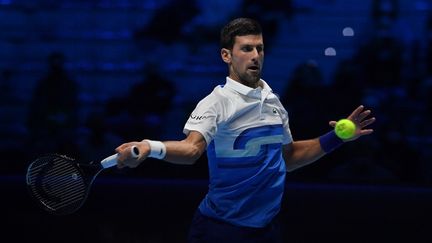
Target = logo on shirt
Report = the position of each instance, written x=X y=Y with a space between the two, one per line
x=251 y=148
x=275 y=111
x=198 y=118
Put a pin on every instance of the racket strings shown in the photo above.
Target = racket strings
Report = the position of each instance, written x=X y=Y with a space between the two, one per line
x=57 y=183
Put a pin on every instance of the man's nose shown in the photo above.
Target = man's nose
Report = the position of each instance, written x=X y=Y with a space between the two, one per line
x=255 y=54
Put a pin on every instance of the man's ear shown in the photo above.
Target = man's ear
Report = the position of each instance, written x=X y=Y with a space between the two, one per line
x=226 y=55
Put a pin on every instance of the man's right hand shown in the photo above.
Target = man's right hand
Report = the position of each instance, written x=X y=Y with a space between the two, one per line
x=126 y=158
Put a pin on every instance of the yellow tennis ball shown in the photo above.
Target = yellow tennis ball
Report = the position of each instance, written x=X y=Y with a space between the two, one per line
x=345 y=129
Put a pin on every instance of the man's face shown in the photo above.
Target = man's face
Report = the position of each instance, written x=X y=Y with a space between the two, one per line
x=245 y=60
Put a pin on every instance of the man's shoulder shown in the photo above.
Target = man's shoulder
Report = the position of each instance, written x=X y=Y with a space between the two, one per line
x=218 y=94
x=219 y=100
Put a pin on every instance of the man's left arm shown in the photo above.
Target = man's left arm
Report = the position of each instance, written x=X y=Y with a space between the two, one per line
x=300 y=153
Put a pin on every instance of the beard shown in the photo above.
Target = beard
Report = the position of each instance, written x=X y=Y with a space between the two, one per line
x=250 y=78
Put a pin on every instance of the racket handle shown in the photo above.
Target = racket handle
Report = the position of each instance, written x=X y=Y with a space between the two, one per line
x=112 y=160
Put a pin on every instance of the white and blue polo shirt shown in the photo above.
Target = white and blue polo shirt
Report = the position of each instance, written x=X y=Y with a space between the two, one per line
x=244 y=129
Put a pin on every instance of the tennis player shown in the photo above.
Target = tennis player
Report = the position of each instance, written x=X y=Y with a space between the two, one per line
x=245 y=130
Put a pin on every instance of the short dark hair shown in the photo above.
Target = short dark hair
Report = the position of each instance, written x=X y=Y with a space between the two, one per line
x=238 y=27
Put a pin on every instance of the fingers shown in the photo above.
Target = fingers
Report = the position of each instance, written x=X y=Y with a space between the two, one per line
x=358 y=116
x=367 y=122
x=120 y=161
x=366 y=132
x=125 y=157
x=363 y=115
x=356 y=112
x=120 y=165
x=123 y=147
x=128 y=162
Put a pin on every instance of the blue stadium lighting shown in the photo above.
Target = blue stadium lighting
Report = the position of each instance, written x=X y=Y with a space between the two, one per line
x=348 y=31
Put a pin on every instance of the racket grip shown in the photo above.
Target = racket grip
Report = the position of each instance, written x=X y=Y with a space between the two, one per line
x=111 y=161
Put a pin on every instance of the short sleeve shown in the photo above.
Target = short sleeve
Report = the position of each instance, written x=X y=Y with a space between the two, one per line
x=286 y=129
x=203 y=119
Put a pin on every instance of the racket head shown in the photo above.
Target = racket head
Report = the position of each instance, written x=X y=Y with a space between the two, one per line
x=57 y=183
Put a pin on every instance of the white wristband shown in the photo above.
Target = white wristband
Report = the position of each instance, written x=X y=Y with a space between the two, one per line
x=157 y=149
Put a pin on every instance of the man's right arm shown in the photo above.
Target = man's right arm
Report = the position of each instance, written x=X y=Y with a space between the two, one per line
x=185 y=152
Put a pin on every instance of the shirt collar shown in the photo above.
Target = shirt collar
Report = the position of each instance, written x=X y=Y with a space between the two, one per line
x=246 y=90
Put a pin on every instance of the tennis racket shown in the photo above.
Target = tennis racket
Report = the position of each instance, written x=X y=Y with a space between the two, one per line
x=60 y=185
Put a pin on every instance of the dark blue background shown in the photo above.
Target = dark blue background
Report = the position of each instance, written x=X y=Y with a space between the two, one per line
x=82 y=77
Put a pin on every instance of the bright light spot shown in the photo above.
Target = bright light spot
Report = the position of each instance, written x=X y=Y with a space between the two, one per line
x=348 y=31
x=330 y=51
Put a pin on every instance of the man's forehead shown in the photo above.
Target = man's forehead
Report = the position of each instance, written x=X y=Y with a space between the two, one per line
x=249 y=40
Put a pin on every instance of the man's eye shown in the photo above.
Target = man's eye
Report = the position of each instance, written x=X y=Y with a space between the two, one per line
x=247 y=48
